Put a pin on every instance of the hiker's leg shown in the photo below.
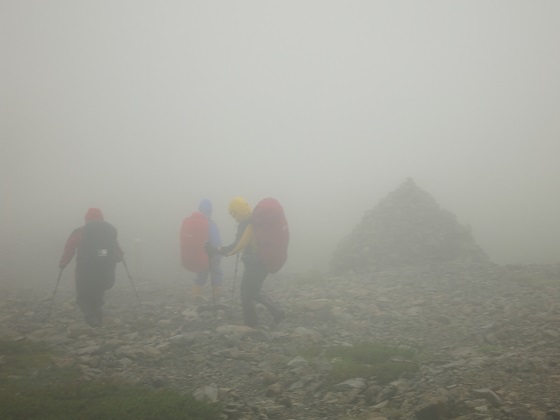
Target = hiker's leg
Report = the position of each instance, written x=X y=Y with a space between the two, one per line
x=251 y=283
x=97 y=304
x=275 y=310
x=198 y=284
x=200 y=278
x=247 y=294
x=80 y=287
x=217 y=276
x=109 y=277
x=105 y=281
x=85 y=294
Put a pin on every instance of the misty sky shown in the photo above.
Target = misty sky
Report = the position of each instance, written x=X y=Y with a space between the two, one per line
x=143 y=108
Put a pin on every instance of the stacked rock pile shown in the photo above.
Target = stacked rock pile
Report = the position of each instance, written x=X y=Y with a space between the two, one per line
x=407 y=228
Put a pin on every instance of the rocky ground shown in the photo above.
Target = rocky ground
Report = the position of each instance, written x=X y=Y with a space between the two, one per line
x=487 y=338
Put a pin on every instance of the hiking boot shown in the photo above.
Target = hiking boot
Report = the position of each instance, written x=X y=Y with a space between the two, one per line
x=217 y=293
x=200 y=300
x=197 y=295
x=92 y=320
x=98 y=314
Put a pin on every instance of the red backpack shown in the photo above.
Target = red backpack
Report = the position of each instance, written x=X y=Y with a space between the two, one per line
x=271 y=233
x=194 y=235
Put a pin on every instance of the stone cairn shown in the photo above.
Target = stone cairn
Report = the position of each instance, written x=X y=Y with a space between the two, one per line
x=407 y=228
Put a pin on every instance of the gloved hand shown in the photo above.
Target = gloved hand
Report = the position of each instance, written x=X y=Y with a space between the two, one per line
x=61 y=265
x=224 y=250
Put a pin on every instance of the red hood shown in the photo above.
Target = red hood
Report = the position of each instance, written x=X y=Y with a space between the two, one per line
x=93 y=214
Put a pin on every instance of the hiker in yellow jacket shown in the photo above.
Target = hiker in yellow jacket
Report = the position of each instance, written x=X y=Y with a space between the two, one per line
x=254 y=272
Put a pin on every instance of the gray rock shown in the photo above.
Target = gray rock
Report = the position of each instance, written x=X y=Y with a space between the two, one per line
x=297 y=362
x=208 y=393
x=350 y=384
x=489 y=395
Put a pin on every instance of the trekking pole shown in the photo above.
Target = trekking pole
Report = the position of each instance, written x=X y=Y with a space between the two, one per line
x=210 y=260
x=130 y=278
x=210 y=250
x=234 y=277
x=54 y=293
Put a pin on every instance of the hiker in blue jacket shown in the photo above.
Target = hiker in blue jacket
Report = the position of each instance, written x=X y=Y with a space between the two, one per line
x=215 y=269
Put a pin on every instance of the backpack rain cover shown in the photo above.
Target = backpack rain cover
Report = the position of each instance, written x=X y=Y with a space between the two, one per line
x=193 y=238
x=271 y=233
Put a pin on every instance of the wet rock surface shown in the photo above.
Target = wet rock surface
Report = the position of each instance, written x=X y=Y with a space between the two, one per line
x=489 y=338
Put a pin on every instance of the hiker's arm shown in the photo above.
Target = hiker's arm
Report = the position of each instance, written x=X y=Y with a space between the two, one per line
x=70 y=247
x=214 y=234
x=226 y=249
x=244 y=241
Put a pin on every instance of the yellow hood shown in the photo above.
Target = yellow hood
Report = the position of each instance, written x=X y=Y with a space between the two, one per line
x=239 y=209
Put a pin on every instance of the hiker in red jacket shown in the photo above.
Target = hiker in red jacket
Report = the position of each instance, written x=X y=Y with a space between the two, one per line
x=255 y=272
x=97 y=254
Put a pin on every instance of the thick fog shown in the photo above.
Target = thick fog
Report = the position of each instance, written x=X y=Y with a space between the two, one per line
x=144 y=108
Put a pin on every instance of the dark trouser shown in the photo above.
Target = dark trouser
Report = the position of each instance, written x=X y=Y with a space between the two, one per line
x=91 y=284
x=254 y=275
